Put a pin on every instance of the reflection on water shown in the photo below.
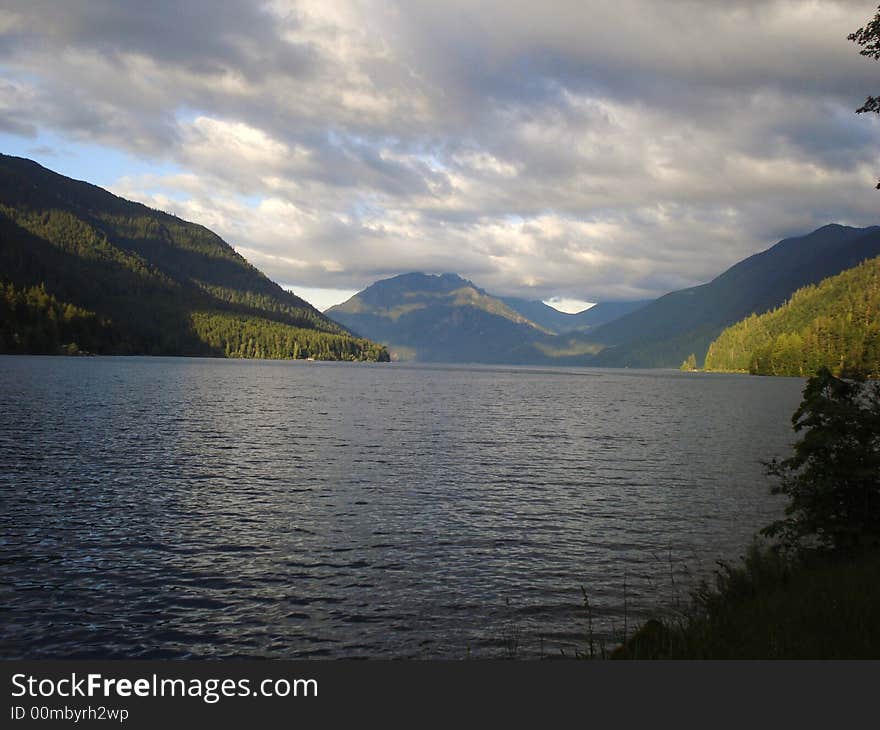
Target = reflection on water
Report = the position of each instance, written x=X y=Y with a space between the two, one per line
x=211 y=508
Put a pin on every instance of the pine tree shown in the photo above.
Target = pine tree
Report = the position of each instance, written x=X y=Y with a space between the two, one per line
x=690 y=363
x=833 y=478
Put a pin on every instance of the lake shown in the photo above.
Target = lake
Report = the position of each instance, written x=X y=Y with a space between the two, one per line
x=196 y=508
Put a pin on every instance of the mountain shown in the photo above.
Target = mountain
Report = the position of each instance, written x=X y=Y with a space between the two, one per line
x=665 y=332
x=835 y=324
x=440 y=318
x=82 y=270
x=561 y=322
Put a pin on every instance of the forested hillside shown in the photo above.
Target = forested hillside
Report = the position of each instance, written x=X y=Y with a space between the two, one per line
x=82 y=270
x=835 y=324
x=668 y=330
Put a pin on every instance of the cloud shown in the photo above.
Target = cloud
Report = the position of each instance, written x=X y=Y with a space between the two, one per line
x=569 y=306
x=576 y=149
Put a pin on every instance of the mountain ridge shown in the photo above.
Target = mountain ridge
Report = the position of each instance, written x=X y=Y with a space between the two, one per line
x=562 y=322
x=84 y=270
x=149 y=282
x=435 y=317
x=659 y=333
x=447 y=318
x=677 y=324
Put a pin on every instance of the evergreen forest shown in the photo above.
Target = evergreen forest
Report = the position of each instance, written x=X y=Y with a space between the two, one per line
x=84 y=271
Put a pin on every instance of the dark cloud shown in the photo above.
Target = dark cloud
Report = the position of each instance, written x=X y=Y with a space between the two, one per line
x=203 y=36
x=12 y=126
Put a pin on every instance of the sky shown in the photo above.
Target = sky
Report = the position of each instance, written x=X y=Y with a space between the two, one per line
x=569 y=151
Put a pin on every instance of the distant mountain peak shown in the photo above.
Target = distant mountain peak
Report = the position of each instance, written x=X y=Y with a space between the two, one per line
x=396 y=295
x=447 y=318
x=445 y=281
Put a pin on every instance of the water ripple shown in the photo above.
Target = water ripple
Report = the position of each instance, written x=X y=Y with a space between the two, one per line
x=184 y=508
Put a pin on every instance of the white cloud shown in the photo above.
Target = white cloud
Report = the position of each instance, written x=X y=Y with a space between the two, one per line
x=569 y=306
x=319 y=297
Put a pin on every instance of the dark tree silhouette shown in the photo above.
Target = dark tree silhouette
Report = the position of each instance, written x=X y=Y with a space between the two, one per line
x=833 y=478
x=868 y=37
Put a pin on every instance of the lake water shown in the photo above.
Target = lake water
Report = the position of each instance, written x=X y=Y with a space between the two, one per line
x=165 y=507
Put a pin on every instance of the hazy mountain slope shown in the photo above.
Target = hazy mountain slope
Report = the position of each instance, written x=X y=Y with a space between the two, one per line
x=835 y=324
x=441 y=319
x=561 y=322
x=665 y=332
x=78 y=260
x=408 y=292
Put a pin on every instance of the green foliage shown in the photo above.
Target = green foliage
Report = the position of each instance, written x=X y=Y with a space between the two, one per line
x=690 y=363
x=138 y=280
x=833 y=477
x=833 y=324
x=267 y=305
x=33 y=321
x=251 y=337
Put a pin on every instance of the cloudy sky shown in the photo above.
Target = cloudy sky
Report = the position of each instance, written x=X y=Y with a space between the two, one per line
x=587 y=150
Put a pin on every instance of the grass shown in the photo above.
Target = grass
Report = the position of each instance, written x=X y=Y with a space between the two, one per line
x=773 y=607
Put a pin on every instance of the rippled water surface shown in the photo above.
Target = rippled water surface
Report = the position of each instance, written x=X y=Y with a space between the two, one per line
x=216 y=508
